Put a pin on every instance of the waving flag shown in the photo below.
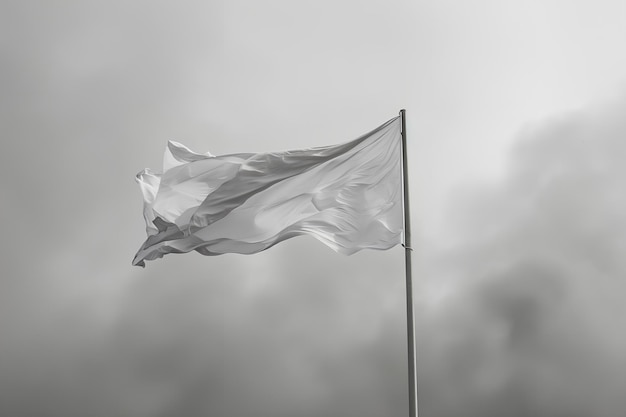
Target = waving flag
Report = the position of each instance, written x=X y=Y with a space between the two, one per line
x=348 y=196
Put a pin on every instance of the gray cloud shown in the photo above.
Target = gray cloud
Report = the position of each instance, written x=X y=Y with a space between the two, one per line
x=529 y=323
x=518 y=303
x=533 y=325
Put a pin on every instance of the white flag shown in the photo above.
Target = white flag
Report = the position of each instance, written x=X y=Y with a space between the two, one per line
x=348 y=196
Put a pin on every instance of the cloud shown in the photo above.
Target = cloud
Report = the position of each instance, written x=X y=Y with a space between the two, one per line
x=530 y=323
x=520 y=314
x=518 y=304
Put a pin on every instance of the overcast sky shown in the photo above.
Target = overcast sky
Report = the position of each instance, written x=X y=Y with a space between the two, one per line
x=517 y=139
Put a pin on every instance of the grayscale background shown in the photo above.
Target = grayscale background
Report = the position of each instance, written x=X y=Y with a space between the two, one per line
x=517 y=134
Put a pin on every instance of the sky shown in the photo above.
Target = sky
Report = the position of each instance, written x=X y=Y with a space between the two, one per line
x=516 y=130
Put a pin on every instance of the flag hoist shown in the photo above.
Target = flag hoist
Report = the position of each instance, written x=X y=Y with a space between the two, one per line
x=350 y=196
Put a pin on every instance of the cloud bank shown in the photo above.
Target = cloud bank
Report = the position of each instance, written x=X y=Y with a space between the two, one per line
x=519 y=302
x=530 y=323
x=518 y=309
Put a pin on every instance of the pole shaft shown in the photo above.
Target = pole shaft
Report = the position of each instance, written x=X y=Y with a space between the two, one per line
x=409 y=284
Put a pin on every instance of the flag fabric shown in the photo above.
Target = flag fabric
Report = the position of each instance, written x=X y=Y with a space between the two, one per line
x=348 y=196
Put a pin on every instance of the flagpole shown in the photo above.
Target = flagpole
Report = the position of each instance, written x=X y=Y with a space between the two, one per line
x=409 y=284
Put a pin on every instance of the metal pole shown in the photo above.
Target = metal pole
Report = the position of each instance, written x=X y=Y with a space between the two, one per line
x=409 y=284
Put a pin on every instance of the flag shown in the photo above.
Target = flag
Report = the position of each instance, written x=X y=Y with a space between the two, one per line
x=348 y=196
